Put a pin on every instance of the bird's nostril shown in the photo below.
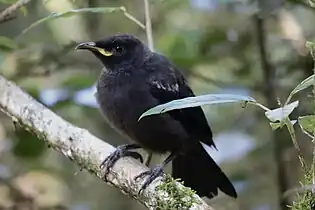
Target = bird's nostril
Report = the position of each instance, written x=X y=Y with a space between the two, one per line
x=90 y=43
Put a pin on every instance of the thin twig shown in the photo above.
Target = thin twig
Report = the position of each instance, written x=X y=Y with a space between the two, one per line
x=295 y=143
x=148 y=29
x=11 y=9
x=259 y=105
x=132 y=18
x=148 y=24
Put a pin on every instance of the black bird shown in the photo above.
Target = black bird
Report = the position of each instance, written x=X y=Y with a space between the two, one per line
x=136 y=79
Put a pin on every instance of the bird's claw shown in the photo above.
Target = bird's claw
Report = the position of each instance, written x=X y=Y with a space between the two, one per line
x=152 y=173
x=120 y=152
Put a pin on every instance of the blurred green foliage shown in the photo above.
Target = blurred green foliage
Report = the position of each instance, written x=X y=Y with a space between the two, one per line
x=27 y=145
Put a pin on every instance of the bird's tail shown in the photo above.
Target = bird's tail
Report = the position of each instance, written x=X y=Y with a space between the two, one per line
x=200 y=172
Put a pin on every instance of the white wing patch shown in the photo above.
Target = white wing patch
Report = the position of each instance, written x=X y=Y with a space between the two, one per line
x=167 y=87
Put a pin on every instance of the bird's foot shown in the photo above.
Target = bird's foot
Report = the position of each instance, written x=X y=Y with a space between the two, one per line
x=121 y=151
x=152 y=173
x=149 y=158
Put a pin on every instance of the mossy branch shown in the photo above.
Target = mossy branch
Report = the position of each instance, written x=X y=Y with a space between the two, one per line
x=88 y=151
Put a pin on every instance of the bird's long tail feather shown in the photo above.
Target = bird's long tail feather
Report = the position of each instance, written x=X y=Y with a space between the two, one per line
x=200 y=172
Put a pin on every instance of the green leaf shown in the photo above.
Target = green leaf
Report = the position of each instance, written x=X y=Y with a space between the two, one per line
x=27 y=145
x=70 y=13
x=197 y=101
x=281 y=113
x=307 y=123
x=312 y=3
x=24 y=11
x=303 y=85
x=7 y=43
x=310 y=45
x=276 y=125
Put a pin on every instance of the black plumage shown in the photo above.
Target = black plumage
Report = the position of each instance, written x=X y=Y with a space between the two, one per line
x=137 y=79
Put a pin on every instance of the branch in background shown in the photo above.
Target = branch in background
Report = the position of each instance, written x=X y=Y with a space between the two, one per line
x=8 y=18
x=271 y=96
x=132 y=18
x=11 y=9
x=87 y=150
x=148 y=25
x=148 y=29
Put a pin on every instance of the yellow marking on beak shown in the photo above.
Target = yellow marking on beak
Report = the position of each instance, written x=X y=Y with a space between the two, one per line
x=104 y=52
x=100 y=50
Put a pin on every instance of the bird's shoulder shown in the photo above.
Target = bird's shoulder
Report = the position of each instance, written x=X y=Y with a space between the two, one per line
x=164 y=76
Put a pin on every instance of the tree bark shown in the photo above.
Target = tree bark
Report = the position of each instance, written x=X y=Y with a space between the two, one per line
x=88 y=151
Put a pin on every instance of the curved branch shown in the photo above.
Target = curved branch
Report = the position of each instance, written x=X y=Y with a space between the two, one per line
x=88 y=151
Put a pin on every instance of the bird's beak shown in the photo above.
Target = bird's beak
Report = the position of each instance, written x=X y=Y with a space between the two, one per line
x=86 y=46
x=92 y=46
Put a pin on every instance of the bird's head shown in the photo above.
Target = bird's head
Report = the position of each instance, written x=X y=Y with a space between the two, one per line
x=117 y=51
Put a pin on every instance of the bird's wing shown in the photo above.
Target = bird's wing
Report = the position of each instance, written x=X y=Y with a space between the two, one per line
x=169 y=84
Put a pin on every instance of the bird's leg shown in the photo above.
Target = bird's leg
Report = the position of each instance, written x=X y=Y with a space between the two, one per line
x=121 y=151
x=155 y=172
x=149 y=158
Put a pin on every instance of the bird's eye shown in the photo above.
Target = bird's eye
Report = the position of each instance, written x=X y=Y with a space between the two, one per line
x=119 y=49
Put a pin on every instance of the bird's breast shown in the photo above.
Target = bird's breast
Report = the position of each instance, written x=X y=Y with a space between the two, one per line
x=122 y=101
